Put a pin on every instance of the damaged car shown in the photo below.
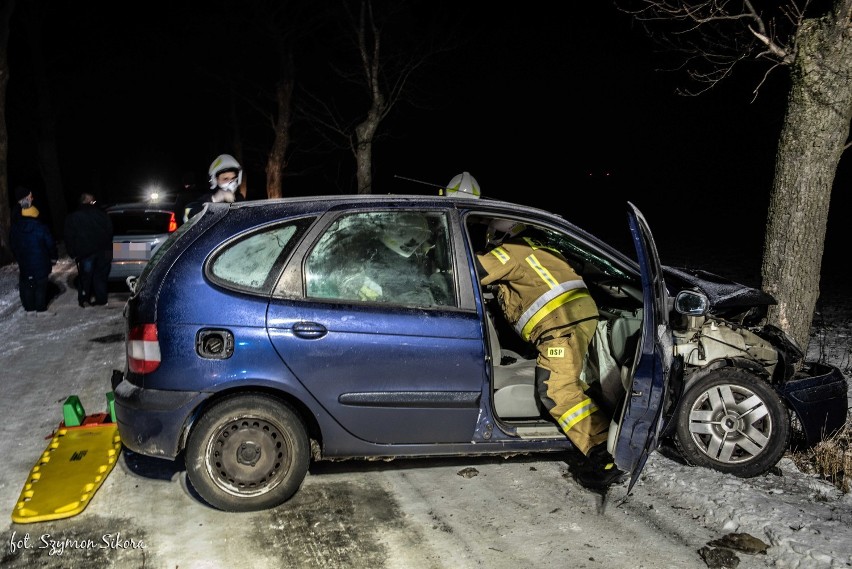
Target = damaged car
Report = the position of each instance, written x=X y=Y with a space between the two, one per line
x=264 y=335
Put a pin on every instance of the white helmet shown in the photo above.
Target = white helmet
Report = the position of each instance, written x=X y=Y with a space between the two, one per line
x=222 y=163
x=404 y=234
x=501 y=229
x=463 y=186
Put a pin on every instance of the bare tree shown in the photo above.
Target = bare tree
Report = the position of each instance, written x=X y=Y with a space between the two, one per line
x=383 y=76
x=812 y=41
x=266 y=31
x=280 y=35
x=6 y=9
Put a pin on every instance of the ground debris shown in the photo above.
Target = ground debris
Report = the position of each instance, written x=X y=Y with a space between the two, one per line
x=719 y=558
x=468 y=472
x=741 y=542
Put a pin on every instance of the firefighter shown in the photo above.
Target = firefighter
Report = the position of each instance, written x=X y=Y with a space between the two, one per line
x=550 y=307
x=226 y=175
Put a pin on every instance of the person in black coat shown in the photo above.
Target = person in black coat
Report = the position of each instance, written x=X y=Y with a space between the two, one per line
x=88 y=239
x=35 y=251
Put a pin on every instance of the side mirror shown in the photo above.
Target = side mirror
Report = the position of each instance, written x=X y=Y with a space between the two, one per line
x=691 y=303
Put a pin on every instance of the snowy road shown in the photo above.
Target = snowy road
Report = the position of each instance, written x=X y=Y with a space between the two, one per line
x=519 y=513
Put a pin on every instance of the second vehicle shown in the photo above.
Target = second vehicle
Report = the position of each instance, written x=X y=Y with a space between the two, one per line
x=138 y=230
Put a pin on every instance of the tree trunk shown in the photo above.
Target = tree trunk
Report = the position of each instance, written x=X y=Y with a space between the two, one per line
x=816 y=127
x=277 y=161
x=364 y=133
x=8 y=6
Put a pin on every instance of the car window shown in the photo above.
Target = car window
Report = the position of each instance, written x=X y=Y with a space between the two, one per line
x=252 y=263
x=585 y=259
x=398 y=257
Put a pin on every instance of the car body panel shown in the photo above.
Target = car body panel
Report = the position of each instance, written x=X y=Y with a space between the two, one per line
x=375 y=368
x=641 y=422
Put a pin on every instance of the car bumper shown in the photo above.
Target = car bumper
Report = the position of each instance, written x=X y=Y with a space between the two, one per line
x=150 y=421
x=819 y=399
x=120 y=270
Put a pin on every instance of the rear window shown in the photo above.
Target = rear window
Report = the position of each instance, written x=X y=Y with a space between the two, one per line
x=140 y=222
x=252 y=263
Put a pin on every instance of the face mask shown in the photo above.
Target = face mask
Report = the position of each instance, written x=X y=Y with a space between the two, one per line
x=230 y=186
x=26 y=202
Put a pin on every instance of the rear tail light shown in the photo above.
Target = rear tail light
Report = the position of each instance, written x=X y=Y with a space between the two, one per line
x=143 y=349
x=172 y=223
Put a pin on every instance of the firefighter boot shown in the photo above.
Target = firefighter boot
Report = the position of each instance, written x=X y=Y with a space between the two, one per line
x=600 y=471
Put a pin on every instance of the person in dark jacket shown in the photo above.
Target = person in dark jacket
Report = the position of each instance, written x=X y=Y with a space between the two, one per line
x=88 y=239
x=35 y=251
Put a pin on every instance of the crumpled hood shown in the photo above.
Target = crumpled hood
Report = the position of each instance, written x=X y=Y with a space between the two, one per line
x=722 y=292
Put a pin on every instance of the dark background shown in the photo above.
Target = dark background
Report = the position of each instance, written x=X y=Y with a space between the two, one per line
x=561 y=108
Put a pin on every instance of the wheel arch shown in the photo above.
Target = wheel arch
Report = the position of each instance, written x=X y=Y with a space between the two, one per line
x=305 y=414
x=738 y=363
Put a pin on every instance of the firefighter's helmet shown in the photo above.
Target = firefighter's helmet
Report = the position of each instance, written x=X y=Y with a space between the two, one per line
x=463 y=186
x=225 y=163
x=404 y=234
x=501 y=229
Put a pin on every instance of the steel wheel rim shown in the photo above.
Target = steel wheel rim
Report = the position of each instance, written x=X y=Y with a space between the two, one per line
x=730 y=424
x=247 y=456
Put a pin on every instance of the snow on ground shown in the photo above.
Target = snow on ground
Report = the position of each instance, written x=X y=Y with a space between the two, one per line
x=806 y=522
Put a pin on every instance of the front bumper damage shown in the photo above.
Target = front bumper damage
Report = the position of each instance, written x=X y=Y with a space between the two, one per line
x=819 y=396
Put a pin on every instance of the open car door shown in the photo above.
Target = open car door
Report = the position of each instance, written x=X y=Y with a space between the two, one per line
x=641 y=422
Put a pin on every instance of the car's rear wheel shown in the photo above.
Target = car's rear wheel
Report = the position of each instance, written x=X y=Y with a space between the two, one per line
x=247 y=453
x=734 y=422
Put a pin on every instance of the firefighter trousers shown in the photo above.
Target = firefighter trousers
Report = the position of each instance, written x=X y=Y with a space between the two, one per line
x=558 y=367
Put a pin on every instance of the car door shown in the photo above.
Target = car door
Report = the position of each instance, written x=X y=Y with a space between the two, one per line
x=389 y=355
x=641 y=421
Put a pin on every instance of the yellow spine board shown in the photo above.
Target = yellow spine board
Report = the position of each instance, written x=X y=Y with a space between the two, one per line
x=69 y=472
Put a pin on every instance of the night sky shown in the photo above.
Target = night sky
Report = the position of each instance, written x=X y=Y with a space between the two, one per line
x=566 y=111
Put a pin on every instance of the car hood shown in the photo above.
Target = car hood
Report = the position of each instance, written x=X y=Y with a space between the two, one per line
x=723 y=293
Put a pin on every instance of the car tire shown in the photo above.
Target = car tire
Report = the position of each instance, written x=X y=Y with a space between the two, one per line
x=247 y=453
x=734 y=422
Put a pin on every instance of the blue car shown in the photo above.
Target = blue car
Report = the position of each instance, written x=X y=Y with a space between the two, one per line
x=265 y=334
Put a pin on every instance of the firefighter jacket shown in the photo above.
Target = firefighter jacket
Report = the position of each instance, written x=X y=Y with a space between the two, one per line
x=538 y=291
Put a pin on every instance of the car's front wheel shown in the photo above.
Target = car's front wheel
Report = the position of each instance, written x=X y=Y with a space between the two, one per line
x=247 y=453
x=734 y=422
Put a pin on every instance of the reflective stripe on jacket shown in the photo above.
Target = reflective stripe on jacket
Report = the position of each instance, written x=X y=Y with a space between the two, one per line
x=536 y=287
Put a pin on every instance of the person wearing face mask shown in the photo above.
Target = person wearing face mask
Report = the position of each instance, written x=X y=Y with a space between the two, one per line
x=226 y=175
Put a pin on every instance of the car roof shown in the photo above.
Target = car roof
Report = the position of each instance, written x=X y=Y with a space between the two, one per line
x=137 y=206
x=328 y=201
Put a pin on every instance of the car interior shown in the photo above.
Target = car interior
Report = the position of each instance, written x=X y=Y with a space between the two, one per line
x=608 y=367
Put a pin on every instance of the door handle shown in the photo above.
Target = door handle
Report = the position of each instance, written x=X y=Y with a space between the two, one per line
x=309 y=330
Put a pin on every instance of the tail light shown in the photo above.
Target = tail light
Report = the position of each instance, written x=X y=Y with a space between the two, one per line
x=172 y=223
x=143 y=349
